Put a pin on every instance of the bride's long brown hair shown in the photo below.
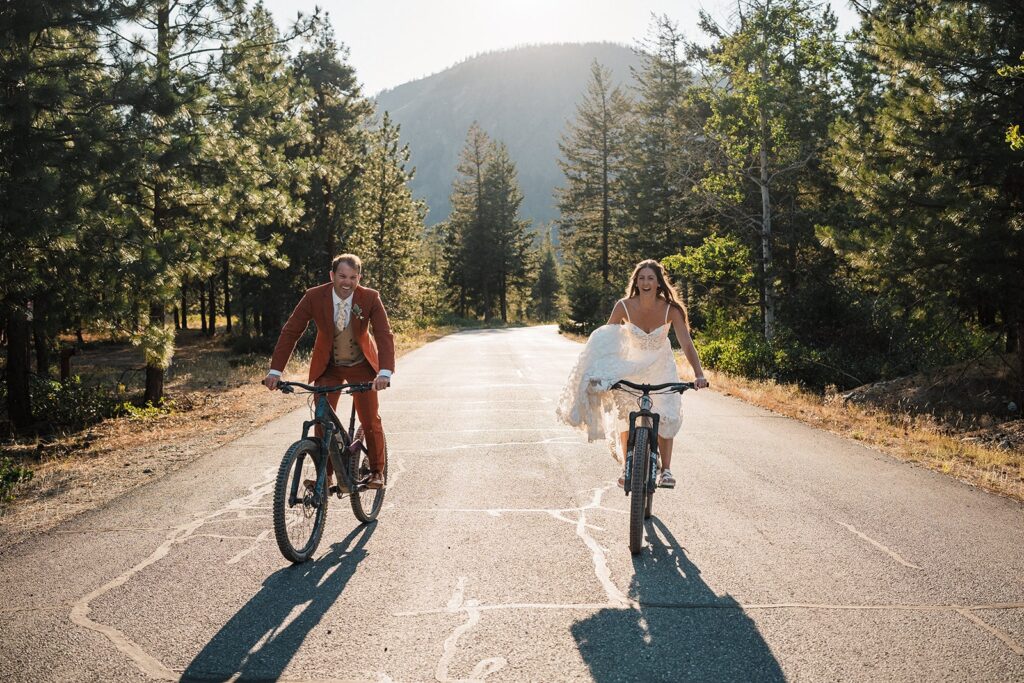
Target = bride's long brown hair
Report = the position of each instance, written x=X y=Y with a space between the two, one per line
x=665 y=288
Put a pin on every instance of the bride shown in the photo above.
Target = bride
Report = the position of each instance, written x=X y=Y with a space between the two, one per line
x=634 y=346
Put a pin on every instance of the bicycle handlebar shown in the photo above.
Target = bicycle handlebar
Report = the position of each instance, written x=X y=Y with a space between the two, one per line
x=289 y=388
x=651 y=388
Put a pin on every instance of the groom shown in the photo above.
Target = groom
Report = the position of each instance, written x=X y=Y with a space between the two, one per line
x=344 y=350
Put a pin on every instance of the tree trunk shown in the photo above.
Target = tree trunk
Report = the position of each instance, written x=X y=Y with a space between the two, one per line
x=227 y=296
x=202 y=306
x=19 y=407
x=78 y=332
x=1020 y=358
x=177 y=319
x=154 y=373
x=504 y=299
x=243 y=315
x=42 y=341
x=65 y=362
x=184 y=304
x=768 y=283
x=212 y=310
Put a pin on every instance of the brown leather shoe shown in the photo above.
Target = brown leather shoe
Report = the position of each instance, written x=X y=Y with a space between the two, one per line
x=376 y=481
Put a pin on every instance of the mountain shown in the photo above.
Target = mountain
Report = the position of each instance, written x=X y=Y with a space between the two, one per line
x=523 y=97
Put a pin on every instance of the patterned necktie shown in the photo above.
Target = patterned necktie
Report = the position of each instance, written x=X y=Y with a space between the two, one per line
x=342 y=314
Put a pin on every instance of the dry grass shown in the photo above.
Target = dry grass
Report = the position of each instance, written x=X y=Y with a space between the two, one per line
x=918 y=439
x=216 y=396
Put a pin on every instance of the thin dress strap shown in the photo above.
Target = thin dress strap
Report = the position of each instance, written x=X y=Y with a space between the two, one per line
x=626 y=309
x=668 y=309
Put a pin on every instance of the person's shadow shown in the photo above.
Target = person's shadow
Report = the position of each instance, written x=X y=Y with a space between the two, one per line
x=682 y=631
x=256 y=643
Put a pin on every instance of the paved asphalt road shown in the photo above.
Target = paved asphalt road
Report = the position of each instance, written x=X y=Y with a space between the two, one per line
x=786 y=553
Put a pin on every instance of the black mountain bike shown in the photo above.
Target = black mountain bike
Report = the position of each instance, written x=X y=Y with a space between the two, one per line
x=301 y=491
x=642 y=457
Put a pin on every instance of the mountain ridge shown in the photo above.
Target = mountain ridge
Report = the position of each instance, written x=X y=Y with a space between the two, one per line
x=524 y=97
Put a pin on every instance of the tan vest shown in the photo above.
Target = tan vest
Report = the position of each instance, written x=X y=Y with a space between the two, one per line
x=346 y=349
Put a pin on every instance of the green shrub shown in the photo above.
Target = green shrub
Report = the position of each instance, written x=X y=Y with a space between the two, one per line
x=72 y=405
x=12 y=475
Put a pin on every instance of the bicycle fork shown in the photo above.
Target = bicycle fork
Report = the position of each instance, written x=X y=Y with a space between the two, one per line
x=651 y=421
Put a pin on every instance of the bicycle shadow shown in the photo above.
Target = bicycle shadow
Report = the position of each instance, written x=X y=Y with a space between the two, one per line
x=683 y=631
x=259 y=641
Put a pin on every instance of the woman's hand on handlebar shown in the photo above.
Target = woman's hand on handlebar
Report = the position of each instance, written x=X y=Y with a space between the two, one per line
x=700 y=383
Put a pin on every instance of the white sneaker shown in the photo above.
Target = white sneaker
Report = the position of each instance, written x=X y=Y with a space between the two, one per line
x=666 y=480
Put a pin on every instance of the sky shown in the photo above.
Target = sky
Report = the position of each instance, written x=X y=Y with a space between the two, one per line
x=392 y=42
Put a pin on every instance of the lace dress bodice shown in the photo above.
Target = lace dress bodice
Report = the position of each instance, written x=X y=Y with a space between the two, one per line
x=615 y=352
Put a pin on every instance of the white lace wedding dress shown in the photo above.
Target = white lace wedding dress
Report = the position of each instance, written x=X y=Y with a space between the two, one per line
x=615 y=352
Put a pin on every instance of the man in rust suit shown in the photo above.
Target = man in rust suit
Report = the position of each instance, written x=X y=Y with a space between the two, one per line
x=344 y=350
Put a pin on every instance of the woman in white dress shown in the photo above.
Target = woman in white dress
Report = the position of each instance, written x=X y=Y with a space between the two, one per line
x=633 y=345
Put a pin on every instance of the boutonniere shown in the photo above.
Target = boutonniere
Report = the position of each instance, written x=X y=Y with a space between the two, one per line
x=357 y=312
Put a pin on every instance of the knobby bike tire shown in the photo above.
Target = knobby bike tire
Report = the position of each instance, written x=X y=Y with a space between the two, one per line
x=306 y=508
x=366 y=504
x=638 y=488
x=649 y=503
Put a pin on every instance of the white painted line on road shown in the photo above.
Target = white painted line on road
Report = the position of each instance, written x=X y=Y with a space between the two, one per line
x=483 y=668
x=145 y=662
x=616 y=598
x=878 y=545
x=259 y=539
x=1017 y=649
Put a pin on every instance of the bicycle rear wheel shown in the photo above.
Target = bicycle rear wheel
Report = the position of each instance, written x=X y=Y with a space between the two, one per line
x=638 y=488
x=366 y=502
x=299 y=513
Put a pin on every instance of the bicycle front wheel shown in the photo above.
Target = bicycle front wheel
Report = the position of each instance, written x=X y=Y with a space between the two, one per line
x=638 y=487
x=299 y=512
x=366 y=502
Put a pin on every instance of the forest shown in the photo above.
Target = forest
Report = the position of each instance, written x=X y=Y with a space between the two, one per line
x=835 y=209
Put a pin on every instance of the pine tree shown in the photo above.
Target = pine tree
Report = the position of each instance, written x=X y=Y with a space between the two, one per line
x=390 y=221
x=925 y=154
x=509 y=252
x=655 y=189
x=51 y=115
x=546 y=287
x=468 y=236
x=593 y=153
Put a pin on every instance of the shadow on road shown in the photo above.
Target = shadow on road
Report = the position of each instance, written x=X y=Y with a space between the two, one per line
x=259 y=641
x=682 y=632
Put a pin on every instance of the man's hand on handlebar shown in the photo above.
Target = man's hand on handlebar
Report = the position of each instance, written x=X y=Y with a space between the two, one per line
x=381 y=383
x=270 y=381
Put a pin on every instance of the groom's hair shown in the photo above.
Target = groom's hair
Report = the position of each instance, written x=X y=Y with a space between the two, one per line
x=350 y=260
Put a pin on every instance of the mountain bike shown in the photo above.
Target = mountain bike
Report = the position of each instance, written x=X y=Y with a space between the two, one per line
x=301 y=490
x=642 y=457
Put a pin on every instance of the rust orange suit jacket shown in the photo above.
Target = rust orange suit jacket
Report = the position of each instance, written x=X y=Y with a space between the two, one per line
x=317 y=305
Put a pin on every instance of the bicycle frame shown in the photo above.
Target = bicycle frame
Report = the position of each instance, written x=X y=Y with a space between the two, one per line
x=325 y=416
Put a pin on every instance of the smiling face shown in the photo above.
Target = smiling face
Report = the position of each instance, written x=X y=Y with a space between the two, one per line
x=647 y=281
x=345 y=279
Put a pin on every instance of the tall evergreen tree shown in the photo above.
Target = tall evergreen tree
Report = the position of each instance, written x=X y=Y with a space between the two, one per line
x=51 y=116
x=467 y=236
x=390 y=221
x=508 y=254
x=546 y=287
x=593 y=152
x=925 y=154
x=655 y=189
